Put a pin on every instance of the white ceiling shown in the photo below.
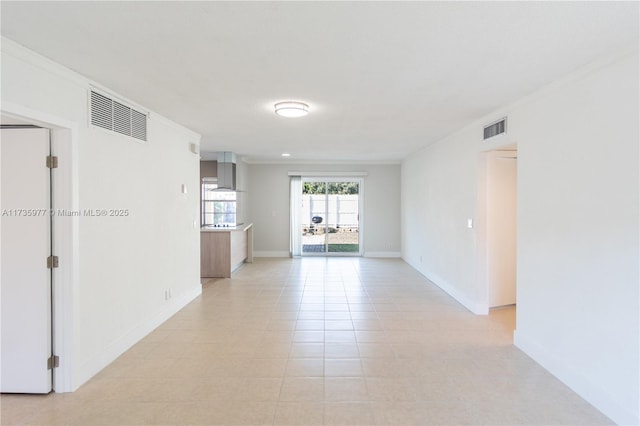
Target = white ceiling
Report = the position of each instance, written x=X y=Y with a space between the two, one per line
x=383 y=79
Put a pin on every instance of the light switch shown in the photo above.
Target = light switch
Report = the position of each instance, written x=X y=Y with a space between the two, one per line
x=184 y=188
x=469 y=223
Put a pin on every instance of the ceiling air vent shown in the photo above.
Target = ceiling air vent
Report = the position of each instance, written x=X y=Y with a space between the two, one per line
x=138 y=125
x=101 y=111
x=496 y=128
x=117 y=117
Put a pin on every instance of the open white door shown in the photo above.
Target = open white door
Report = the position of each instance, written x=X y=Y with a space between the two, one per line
x=25 y=286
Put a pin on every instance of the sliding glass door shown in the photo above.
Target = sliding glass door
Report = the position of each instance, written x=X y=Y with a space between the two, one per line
x=330 y=217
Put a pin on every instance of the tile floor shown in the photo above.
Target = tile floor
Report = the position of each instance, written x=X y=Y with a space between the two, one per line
x=338 y=341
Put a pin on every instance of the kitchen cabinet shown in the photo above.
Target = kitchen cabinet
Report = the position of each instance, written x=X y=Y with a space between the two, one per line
x=223 y=250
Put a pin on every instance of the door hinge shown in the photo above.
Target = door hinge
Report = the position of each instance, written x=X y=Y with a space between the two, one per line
x=53 y=362
x=52 y=262
x=52 y=162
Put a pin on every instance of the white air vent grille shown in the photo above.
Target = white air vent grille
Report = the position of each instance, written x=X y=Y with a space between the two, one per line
x=496 y=128
x=138 y=125
x=121 y=118
x=101 y=111
x=117 y=117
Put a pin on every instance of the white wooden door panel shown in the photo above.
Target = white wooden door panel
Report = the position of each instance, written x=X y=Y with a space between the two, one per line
x=25 y=286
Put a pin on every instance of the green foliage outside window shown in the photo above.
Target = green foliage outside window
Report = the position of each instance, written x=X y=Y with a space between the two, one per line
x=334 y=188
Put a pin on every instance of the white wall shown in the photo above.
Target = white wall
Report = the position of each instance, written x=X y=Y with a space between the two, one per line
x=124 y=264
x=578 y=197
x=438 y=197
x=578 y=237
x=268 y=198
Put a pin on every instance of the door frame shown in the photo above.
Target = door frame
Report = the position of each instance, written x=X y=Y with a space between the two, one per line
x=65 y=278
x=482 y=249
x=329 y=179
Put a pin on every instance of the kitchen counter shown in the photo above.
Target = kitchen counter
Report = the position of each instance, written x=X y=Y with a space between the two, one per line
x=238 y=227
x=225 y=249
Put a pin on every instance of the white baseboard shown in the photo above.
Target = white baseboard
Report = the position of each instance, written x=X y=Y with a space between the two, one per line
x=125 y=342
x=394 y=254
x=237 y=266
x=476 y=308
x=270 y=254
x=473 y=306
x=576 y=381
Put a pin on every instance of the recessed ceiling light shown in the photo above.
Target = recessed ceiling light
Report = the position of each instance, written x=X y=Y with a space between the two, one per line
x=291 y=109
x=286 y=154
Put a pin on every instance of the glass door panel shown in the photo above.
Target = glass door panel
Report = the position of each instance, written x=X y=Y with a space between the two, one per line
x=342 y=217
x=313 y=217
x=330 y=217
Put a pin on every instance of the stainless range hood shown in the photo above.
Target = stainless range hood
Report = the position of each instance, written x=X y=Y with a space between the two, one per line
x=226 y=171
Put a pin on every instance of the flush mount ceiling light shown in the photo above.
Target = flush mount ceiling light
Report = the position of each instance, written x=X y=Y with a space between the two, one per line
x=291 y=109
x=286 y=154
